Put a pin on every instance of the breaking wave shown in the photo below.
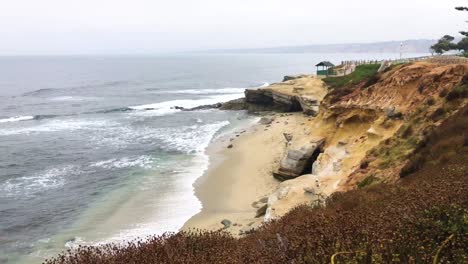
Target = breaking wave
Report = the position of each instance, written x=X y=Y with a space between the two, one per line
x=16 y=119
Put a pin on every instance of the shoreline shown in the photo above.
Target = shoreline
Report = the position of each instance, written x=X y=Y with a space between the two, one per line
x=239 y=176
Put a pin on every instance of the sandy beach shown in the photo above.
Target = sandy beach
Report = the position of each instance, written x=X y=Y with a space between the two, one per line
x=241 y=175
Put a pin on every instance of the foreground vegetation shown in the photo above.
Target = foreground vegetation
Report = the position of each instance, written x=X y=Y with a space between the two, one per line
x=361 y=73
x=422 y=219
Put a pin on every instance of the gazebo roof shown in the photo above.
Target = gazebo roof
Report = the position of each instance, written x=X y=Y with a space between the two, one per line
x=325 y=63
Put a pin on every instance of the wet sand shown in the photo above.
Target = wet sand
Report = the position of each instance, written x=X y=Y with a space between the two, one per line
x=240 y=175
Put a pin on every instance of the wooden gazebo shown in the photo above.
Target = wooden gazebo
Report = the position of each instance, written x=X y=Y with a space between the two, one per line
x=323 y=68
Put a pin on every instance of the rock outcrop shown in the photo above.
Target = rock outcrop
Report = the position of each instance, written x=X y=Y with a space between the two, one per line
x=294 y=77
x=297 y=162
x=292 y=193
x=274 y=100
x=310 y=105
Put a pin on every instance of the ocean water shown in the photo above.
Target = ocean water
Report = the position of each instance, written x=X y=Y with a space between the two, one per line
x=92 y=150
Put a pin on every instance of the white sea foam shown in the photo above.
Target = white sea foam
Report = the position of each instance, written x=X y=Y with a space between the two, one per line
x=228 y=90
x=44 y=180
x=56 y=125
x=72 y=98
x=174 y=209
x=205 y=91
x=144 y=162
x=16 y=119
x=168 y=107
x=188 y=139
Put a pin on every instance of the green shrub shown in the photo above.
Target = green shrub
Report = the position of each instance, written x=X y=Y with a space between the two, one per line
x=369 y=180
x=458 y=92
x=362 y=73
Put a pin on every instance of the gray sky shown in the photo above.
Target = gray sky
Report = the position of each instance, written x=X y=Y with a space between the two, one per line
x=155 y=26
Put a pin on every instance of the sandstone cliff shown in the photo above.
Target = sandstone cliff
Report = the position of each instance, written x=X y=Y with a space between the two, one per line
x=367 y=129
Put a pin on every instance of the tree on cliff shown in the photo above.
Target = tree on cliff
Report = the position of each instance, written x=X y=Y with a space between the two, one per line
x=446 y=42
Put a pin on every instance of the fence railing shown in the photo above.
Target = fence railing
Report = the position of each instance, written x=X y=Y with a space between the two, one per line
x=349 y=66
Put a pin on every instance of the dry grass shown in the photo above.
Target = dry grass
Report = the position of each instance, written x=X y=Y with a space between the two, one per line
x=421 y=218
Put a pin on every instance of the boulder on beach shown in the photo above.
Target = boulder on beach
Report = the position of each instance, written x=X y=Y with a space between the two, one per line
x=226 y=223
x=296 y=161
x=261 y=211
x=292 y=193
x=266 y=120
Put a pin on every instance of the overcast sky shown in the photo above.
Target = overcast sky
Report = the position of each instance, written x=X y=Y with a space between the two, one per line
x=155 y=26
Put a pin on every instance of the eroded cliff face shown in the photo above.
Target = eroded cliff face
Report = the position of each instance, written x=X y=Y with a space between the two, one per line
x=368 y=132
x=301 y=93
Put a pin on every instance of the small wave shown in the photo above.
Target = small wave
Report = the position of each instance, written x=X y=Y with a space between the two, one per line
x=227 y=90
x=168 y=107
x=126 y=162
x=115 y=110
x=189 y=139
x=45 y=91
x=48 y=179
x=205 y=91
x=40 y=117
x=72 y=98
x=39 y=92
x=57 y=125
x=16 y=119
x=26 y=118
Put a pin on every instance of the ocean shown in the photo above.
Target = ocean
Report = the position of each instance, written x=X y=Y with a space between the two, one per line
x=92 y=149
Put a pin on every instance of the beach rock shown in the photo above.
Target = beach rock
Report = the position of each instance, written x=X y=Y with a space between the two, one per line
x=329 y=162
x=261 y=211
x=229 y=146
x=310 y=106
x=246 y=230
x=288 y=137
x=266 y=120
x=226 y=223
x=296 y=161
x=292 y=193
x=260 y=203
x=309 y=189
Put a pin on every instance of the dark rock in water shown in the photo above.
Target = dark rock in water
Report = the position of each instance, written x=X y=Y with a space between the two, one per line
x=226 y=223
x=230 y=146
x=237 y=104
x=261 y=211
x=204 y=107
x=201 y=107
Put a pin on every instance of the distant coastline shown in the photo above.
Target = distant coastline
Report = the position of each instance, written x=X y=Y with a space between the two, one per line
x=409 y=46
